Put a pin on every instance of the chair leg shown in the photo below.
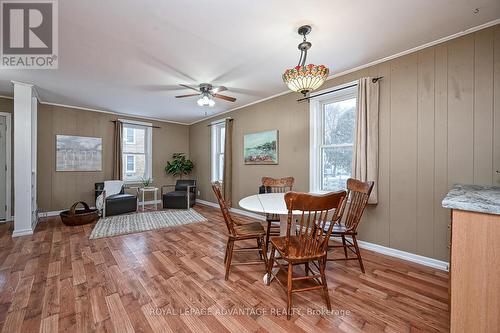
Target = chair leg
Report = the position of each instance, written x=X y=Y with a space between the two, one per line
x=345 y=246
x=264 y=250
x=225 y=255
x=270 y=265
x=322 y=265
x=306 y=268
x=289 y=292
x=229 y=258
x=259 y=245
x=358 y=253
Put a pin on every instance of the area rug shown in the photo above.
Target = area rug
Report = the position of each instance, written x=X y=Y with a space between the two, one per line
x=138 y=222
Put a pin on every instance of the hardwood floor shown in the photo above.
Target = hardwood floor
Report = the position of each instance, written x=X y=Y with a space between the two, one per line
x=172 y=280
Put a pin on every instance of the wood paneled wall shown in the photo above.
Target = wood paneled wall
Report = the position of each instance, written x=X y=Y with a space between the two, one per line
x=59 y=190
x=439 y=125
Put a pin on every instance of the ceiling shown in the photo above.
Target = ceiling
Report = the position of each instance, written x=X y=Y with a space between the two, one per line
x=129 y=56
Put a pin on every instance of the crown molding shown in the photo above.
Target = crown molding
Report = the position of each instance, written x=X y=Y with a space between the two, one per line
x=241 y=107
x=102 y=111
x=22 y=83
x=114 y=113
x=373 y=63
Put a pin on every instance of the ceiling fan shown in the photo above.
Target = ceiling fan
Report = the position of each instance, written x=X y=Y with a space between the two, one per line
x=206 y=92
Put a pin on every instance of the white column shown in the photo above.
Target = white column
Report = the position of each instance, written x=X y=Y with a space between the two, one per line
x=23 y=158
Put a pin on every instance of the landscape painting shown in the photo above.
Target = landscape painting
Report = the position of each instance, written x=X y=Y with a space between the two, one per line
x=78 y=153
x=261 y=147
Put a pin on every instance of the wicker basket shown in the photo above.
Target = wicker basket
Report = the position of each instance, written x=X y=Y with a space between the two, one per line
x=74 y=217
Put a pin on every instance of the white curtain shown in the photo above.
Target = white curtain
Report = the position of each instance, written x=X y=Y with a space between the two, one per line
x=365 y=159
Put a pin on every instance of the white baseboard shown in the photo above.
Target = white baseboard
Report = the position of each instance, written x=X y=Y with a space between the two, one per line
x=9 y=219
x=426 y=261
x=152 y=202
x=49 y=214
x=57 y=212
x=22 y=232
x=207 y=203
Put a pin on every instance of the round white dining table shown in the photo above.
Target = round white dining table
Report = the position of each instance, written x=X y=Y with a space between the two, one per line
x=269 y=203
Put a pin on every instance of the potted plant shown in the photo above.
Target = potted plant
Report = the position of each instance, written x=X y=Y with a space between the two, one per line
x=179 y=165
x=146 y=182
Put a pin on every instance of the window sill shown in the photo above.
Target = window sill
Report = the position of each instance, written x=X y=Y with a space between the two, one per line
x=134 y=182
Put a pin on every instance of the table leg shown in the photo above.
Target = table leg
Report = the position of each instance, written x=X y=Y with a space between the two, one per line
x=143 y=200
x=156 y=199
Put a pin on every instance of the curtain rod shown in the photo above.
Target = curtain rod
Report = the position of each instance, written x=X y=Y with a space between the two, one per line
x=124 y=122
x=375 y=79
x=220 y=122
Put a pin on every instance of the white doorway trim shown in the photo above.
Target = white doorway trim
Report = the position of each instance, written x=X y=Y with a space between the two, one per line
x=8 y=164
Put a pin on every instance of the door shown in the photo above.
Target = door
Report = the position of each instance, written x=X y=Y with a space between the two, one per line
x=3 y=167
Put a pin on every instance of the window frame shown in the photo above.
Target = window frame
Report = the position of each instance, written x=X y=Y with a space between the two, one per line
x=133 y=136
x=148 y=150
x=317 y=128
x=215 y=154
x=126 y=162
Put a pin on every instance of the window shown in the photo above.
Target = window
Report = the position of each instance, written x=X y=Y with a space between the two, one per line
x=218 y=139
x=136 y=151
x=129 y=135
x=333 y=120
x=130 y=167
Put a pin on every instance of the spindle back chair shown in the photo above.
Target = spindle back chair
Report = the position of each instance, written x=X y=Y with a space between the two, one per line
x=358 y=193
x=308 y=243
x=275 y=185
x=238 y=231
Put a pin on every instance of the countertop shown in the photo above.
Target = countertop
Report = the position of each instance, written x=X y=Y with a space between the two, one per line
x=474 y=198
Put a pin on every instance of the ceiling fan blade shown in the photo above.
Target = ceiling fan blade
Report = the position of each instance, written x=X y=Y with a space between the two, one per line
x=189 y=95
x=186 y=86
x=219 y=89
x=224 y=97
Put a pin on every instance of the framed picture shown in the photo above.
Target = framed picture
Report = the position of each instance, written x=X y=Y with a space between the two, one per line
x=78 y=153
x=261 y=147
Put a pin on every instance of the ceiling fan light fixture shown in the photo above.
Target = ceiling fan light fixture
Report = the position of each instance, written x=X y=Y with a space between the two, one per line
x=206 y=100
x=206 y=94
x=305 y=78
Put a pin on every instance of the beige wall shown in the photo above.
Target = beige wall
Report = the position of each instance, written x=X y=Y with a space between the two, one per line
x=6 y=105
x=58 y=190
x=439 y=125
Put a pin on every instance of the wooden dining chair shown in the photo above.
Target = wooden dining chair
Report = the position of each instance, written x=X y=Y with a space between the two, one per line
x=308 y=244
x=358 y=193
x=238 y=232
x=273 y=185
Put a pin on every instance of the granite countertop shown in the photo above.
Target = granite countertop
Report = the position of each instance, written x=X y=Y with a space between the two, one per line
x=474 y=198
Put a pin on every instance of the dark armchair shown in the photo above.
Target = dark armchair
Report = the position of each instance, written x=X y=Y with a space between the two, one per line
x=116 y=204
x=183 y=196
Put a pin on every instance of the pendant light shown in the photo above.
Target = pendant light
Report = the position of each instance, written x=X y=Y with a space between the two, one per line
x=305 y=78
